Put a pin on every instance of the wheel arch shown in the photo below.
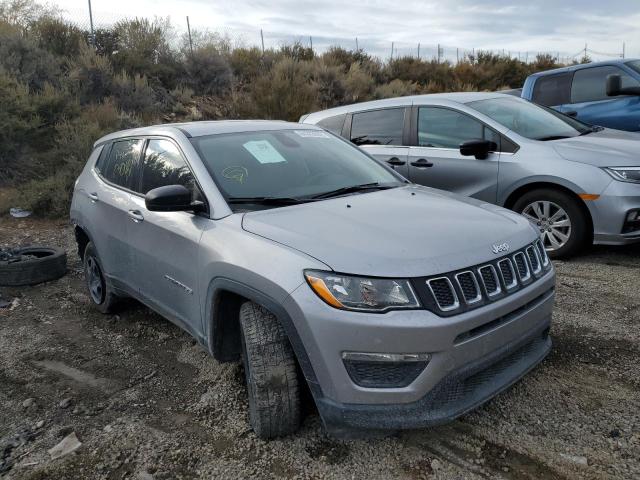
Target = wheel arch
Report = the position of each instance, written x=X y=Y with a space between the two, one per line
x=521 y=190
x=224 y=298
x=82 y=239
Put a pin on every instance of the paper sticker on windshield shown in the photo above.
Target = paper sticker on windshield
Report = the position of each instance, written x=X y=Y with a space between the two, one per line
x=313 y=134
x=263 y=151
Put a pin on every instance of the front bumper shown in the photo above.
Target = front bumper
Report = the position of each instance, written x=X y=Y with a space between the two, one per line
x=609 y=212
x=492 y=358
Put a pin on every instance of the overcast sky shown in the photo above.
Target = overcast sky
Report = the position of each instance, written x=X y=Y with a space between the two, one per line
x=514 y=25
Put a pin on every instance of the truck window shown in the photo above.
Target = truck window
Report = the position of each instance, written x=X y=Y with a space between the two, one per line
x=552 y=90
x=590 y=84
x=378 y=127
x=333 y=124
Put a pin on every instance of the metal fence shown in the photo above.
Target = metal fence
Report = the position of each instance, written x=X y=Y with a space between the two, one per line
x=384 y=49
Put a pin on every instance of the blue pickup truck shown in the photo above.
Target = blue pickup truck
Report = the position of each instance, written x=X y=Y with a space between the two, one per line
x=603 y=93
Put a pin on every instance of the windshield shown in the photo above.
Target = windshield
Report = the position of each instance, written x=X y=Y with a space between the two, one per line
x=293 y=164
x=530 y=120
x=635 y=64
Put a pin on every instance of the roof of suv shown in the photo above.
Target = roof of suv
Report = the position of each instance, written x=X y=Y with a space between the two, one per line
x=198 y=129
x=457 y=97
x=580 y=66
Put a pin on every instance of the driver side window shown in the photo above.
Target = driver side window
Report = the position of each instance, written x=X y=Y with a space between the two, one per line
x=163 y=165
x=445 y=128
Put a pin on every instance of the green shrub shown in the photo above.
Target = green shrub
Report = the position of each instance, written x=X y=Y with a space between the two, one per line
x=90 y=76
x=208 y=72
x=286 y=92
x=134 y=95
x=58 y=36
x=396 y=88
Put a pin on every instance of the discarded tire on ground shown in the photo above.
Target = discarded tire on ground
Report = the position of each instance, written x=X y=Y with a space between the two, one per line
x=31 y=265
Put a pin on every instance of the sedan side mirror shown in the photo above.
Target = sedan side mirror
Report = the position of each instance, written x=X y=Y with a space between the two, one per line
x=477 y=148
x=615 y=88
x=171 y=198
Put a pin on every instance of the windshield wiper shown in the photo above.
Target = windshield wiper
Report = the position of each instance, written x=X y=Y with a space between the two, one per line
x=553 y=137
x=267 y=200
x=592 y=129
x=351 y=189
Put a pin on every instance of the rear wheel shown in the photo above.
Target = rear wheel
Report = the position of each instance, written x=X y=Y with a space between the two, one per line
x=100 y=292
x=563 y=225
x=271 y=373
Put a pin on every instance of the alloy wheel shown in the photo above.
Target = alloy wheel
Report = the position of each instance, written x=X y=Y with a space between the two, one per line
x=552 y=221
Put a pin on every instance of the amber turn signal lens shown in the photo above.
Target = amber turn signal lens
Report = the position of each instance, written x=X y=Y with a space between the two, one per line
x=318 y=286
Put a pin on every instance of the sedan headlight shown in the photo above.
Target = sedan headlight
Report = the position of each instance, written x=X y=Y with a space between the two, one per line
x=624 y=174
x=361 y=293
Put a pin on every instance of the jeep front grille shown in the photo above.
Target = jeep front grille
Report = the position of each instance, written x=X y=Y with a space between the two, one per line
x=508 y=273
x=444 y=293
x=490 y=280
x=469 y=286
x=455 y=292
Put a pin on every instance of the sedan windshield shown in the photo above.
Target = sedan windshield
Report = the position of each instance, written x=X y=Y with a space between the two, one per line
x=530 y=120
x=283 y=167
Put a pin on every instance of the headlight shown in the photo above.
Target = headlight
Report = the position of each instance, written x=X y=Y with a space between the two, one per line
x=361 y=293
x=624 y=174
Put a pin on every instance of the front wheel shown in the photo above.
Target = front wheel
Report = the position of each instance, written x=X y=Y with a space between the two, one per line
x=271 y=373
x=563 y=225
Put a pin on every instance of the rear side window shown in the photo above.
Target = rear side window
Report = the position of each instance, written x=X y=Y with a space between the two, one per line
x=102 y=159
x=122 y=162
x=444 y=128
x=552 y=90
x=590 y=84
x=333 y=124
x=378 y=127
x=163 y=165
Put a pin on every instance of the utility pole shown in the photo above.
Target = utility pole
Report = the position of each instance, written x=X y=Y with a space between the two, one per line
x=93 y=33
x=623 y=49
x=585 y=50
x=189 y=32
x=311 y=42
x=457 y=55
x=418 y=51
x=262 y=39
x=391 y=50
x=357 y=47
x=438 y=53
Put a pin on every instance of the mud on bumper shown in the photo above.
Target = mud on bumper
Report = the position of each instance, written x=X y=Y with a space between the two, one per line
x=459 y=392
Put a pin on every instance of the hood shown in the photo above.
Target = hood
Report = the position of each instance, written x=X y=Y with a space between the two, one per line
x=409 y=231
x=608 y=148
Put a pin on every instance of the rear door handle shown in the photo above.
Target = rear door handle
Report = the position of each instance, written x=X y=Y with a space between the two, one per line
x=422 y=163
x=395 y=161
x=135 y=215
x=93 y=196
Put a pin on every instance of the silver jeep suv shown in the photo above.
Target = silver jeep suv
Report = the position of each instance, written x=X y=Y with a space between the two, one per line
x=280 y=244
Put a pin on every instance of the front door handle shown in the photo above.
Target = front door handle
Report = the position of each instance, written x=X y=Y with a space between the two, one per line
x=93 y=196
x=395 y=162
x=422 y=163
x=135 y=215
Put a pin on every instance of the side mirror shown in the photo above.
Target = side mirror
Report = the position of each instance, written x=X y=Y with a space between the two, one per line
x=615 y=88
x=477 y=148
x=170 y=198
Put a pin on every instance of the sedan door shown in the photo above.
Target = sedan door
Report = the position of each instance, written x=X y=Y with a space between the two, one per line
x=436 y=160
x=381 y=133
x=166 y=244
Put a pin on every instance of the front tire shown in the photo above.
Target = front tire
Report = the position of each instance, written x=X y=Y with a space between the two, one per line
x=100 y=292
x=562 y=222
x=271 y=373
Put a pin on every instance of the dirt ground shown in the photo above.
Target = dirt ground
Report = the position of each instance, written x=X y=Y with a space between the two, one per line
x=148 y=403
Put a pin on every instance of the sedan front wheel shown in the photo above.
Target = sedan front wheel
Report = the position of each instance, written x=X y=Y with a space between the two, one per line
x=563 y=225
